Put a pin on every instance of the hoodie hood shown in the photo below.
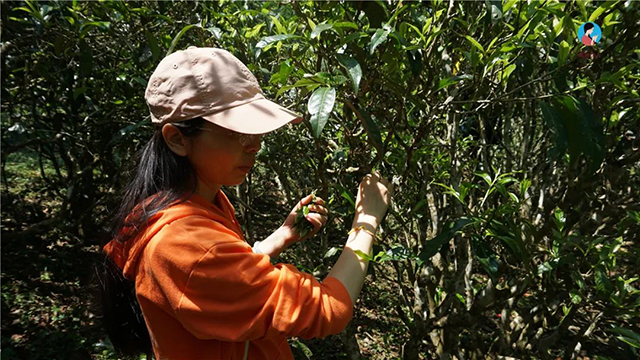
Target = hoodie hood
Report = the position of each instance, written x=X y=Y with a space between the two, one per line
x=127 y=255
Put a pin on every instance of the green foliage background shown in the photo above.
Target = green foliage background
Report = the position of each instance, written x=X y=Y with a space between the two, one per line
x=514 y=229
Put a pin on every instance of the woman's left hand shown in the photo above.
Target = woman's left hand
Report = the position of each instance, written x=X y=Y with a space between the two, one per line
x=317 y=216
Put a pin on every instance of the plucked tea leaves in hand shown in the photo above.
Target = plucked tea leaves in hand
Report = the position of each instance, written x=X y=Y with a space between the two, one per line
x=301 y=224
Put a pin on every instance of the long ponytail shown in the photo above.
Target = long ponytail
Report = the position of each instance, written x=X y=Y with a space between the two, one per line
x=159 y=171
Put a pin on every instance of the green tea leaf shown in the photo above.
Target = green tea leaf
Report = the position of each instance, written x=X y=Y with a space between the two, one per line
x=319 y=29
x=524 y=186
x=345 y=24
x=452 y=80
x=319 y=106
x=363 y=255
x=415 y=61
x=563 y=53
x=474 y=43
x=265 y=41
x=301 y=350
x=278 y=25
x=603 y=284
x=175 y=40
x=576 y=297
x=577 y=279
x=449 y=230
x=486 y=177
x=378 y=38
x=494 y=10
x=628 y=336
x=372 y=129
x=153 y=45
x=353 y=69
x=334 y=250
x=348 y=197
x=397 y=253
x=601 y=10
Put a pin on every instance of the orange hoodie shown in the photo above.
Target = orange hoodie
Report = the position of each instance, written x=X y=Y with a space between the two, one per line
x=204 y=294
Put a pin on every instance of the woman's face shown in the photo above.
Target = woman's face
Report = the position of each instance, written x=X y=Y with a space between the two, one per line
x=219 y=158
x=589 y=31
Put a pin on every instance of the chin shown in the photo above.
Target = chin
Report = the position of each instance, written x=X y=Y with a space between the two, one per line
x=236 y=183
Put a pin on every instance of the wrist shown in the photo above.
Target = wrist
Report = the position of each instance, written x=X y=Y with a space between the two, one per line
x=273 y=245
x=285 y=236
x=369 y=221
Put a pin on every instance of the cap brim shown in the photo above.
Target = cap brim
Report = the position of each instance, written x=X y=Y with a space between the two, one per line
x=257 y=117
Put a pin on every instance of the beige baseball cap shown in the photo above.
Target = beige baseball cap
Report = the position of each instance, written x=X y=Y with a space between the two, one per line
x=213 y=84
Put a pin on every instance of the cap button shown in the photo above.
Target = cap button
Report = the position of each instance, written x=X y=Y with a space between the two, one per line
x=175 y=66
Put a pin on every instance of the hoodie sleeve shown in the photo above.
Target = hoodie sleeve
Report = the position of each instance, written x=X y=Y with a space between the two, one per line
x=233 y=294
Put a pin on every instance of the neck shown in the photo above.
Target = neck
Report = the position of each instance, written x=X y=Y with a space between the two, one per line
x=207 y=191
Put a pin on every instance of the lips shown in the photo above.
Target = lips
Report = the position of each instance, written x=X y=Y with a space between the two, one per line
x=245 y=168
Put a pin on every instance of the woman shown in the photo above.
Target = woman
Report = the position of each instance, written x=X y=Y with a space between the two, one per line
x=586 y=38
x=203 y=291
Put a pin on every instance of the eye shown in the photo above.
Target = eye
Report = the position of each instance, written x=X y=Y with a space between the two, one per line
x=233 y=134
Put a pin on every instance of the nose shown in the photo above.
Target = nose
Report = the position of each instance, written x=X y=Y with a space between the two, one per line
x=254 y=144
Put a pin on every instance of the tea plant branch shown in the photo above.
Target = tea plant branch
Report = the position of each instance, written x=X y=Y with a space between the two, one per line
x=419 y=103
x=379 y=154
x=416 y=142
x=546 y=342
x=546 y=76
x=585 y=333
x=488 y=101
x=300 y=65
x=404 y=290
x=246 y=206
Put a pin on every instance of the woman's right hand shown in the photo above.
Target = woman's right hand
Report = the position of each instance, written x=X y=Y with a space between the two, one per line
x=374 y=196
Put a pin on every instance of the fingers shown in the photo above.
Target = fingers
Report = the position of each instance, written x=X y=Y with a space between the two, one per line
x=307 y=199
x=319 y=209
x=317 y=220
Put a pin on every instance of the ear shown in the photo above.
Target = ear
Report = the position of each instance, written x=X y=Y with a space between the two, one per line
x=174 y=139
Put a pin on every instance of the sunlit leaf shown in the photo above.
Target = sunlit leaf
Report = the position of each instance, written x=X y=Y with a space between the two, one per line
x=576 y=297
x=628 y=336
x=334 y=250
x=563 y=53
x=364 y=256
x=175 y=40
x=474 y=43
x=319 y=29
x=595 y=15
x=452 y=80
x=353 y=69
x=494 y=10
x=271 y=39
x=378 y=38
x=319 y=106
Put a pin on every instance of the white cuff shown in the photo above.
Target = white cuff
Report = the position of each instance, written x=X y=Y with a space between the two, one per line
x=255 y=247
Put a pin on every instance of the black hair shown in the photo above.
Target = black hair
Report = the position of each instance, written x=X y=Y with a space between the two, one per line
x=159 y=171
x=588 y=26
